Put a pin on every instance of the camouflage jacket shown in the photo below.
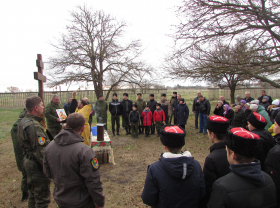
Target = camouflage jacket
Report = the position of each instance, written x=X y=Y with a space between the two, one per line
x=141 y=104
x=33 y=137
x=51 y=115
x=101 y=108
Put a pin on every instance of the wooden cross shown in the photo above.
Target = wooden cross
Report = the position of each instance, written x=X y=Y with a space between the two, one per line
x=41 y=78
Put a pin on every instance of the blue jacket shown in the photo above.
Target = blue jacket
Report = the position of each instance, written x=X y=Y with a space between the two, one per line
x=124 y=112
x=182 y=114
x=67 y=108
x=174 y=182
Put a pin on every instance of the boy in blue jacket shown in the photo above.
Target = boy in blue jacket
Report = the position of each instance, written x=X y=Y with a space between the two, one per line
x=176 y=180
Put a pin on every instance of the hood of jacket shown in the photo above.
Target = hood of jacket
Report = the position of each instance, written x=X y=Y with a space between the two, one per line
x=68 y=136
x=178 y=166
x=147 y=111
x=252 y=172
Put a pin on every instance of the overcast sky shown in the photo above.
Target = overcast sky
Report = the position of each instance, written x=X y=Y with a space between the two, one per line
x=27 y=28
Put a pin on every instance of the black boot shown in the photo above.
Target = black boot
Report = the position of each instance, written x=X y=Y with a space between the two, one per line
x=24 y=196
x=118 y=133
x=129 y=130
x=113 y=132
x=126 y=131
x=142 y=132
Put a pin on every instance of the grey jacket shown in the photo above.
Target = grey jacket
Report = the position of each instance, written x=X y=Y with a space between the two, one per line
x=70 y=163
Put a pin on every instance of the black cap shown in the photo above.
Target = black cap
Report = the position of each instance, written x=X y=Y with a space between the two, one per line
x=163 y=94
x=152 y=95
x=182 y=99
x=217 y=124
x=115 y=94
x=158 y=104
x=125 y=94
x=175 y=93
x=172 y=136
x=134 y=105
x=257 y=120
x=100 y=96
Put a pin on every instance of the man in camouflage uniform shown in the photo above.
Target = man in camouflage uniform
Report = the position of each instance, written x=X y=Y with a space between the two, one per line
x=141 y=104
x=19 y=156
x=101 y=109
x=172 y=99
x=33 y=139
x=53 y=122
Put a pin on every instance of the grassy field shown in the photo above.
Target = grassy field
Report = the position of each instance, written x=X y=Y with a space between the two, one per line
x=122 y=183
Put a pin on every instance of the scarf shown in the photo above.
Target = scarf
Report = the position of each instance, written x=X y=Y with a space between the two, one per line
x=227 y=108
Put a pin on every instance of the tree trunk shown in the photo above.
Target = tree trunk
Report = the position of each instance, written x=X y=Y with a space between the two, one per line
x=232 y=93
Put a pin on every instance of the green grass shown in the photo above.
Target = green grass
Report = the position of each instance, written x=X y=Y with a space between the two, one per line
x=7 y=119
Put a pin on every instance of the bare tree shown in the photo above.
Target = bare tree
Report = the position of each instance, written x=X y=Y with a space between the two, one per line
x=203 y=22
x=221 y=65
x=13 y=89
x=93 y=50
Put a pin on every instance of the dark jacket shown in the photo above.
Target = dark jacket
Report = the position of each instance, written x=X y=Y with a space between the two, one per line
x=219 y=111
x=182 y=114
x=265 y=105
x=69 y=163
x=115 y=107
x=273 y=114
x=204 y=106
x=152 y=105
x=194 y=106
x=247 y=113
x=174 y=182
x=216 y=166
x=67 y=108
x=239 y=119
x=134 y=117
x=266 y=143
x=229 y=115
x=248 y=100
x=272 y=165
x=269 y=100
x=124 y=111
x=245 y=187
x=225 y=102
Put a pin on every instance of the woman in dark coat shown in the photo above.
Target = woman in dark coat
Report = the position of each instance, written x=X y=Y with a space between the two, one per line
x=219 y=110
x=228 y=113
x=239 y=119
x=182 y=113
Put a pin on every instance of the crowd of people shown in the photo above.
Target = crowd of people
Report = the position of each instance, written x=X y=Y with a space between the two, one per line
x=242 y=169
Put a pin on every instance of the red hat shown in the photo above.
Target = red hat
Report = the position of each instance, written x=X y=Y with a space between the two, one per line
x=172 y=136
x=242 y=142
x=217 y=124
x=257 y=120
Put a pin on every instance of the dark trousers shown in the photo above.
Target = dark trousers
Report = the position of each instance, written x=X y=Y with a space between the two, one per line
x=153 y=128
x=89 y=204
x=203 y=122
x=134 y=129
x=141 y=127
x=115 y=119
x=196 y=114
x=125 y=121
x=159 y=124
x=167 y=120
x=172 y=116
x=147 y=130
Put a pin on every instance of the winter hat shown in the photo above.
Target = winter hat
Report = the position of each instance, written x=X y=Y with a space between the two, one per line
x=243 y=101
x=257 y=102
x=125 y=94
x=139 y=93
x=172 y=136
x=277 y=119
x=175 y=93
x=163 y=94
x=100 y=96
x=158 y=104
x=134 y=105
x=242 y=142
x=217 y=124
x=238 y=96
x=253 y=106
x=115 y=94
x=257 y=120
x=266 y=97
x=152 y=95
x=275 y=102
x=182 y=99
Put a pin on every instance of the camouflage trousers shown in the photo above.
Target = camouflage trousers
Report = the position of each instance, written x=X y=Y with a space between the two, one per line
x=38 y=185
x=134 y=129
x=54 y=131
x=159 y=124
x=89 y=204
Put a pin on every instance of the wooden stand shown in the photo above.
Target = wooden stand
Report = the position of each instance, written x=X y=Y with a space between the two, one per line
x=100 y=131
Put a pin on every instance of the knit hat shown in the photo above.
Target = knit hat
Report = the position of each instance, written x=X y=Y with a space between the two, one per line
x=277 y=119
x=238 y=96
x=266 y=97
x=139 y=93
x=257 y=120
x=217 y=124
x=152 y=95
x=253 y=106
x=163 y=94
x=172 y=136
x=257 y=102
x=242 y=142
x=175 y=93
x=125 y=94
x=158 y=104
x=275 y=102
x=134 y=105
x=182 y=99
x=100 y=96
x=243 y=101
x=115 y=94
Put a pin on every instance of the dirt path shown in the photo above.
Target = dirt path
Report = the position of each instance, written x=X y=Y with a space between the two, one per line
x=122 y=183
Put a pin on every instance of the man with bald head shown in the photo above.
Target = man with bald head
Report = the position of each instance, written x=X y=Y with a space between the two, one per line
x=195 y=109
x=53 y=121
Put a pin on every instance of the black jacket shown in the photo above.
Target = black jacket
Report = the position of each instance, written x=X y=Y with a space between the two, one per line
x=229 y=115
x=239 y=119
x=115 y=107
x=248 y=100
x=269 y=100
x=124 y=107
x=194 y=106
x=152 y=105
x=266 y=143
x=204 y=106
x=216 y=166
x=219 y=111
x=174 y=182
x=265 y=105
x=245 y=187
x=182 y=114
x=225 y=102
x=273 y=114
x=272 y=165
x=134 y=117
x=175 y=104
